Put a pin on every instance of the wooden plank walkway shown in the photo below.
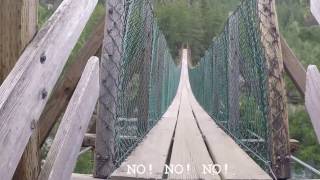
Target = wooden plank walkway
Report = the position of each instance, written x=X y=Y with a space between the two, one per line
x=188 y=144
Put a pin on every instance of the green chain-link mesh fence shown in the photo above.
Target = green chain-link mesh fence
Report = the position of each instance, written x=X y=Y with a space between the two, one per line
x=230 y=82
x=148 y=78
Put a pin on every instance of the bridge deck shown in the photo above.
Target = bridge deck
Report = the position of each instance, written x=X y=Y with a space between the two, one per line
x=187 y=144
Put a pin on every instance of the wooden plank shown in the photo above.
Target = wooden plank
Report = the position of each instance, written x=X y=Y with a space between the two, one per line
x=66 y=85
x=315 y=9
x=157 y=141
x=109 y=81
x=221 y=147
x=25 y=91
x=18 y=22
x=293 y=67
x=153 y=151
x=189 y=150
x=64 y=151
x=89 y=140
x=312 y=99
x=278 y=114
x=76 y=176
x=224 y=150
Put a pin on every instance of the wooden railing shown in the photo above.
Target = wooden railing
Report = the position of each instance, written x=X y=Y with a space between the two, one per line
x=26 y=90
x=315 y=9
x=312 y=97
x=307 y=83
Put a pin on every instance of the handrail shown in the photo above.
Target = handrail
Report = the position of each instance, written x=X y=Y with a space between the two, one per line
x=315 y=9
x=293 y=67
x=25 y=91
x=66 y=145
x=312 y=98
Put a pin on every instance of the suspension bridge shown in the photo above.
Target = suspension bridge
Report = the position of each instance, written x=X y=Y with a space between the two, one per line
x=154 y=115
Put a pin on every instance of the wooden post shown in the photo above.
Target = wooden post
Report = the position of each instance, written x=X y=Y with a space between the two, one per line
x=277 y=100
x=234 y=74
x=145 y=72
x=63 y=153
x=109 y=72
x=312 y=100
x=315 y=9
x=18 y=21
x=25 y=91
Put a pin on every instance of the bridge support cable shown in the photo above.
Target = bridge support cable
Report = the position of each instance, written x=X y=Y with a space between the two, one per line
x=239 y=82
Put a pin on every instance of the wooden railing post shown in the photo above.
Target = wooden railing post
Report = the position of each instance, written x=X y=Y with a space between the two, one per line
x=234 y=75
x=315 y=9
x=18 y=22
x=109 y=72
x=25 y=91
x=145 y=72
x=277 y=100
x=312 y=99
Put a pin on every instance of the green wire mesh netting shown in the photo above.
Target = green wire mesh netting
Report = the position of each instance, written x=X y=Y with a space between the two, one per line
x=230 y=82
x=148 y=78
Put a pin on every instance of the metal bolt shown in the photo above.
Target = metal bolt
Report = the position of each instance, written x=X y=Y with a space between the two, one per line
x=44 y=93
x=110 y=11
x=43 y=58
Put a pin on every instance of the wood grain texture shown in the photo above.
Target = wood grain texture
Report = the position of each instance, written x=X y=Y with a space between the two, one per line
x=76 y=176
x=25 y=91
x=293 y=67
x=315 y=9
x=64 y=151
x=18 y=21
x=109 y=81
x=234 y=74
x=312 y=98
x=189 y=149
x=89 y=140
x=277 y=101
x=66 y=85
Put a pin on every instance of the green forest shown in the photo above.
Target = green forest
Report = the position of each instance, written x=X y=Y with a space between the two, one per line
x=196 y=22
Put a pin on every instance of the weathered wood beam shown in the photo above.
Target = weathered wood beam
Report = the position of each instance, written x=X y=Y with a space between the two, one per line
x=76 y=176
x=315 y=9
x=18 y=22
x=144 y=74
x=109 y=81
x=64 y=88
x=293 y=67
x=234 y=74
x=89 y=140
x=277 y=100
x=25 y=91
x=312 y=99
x=63 y=153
